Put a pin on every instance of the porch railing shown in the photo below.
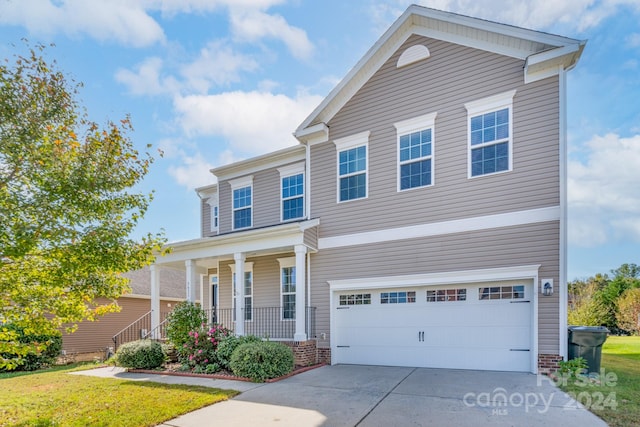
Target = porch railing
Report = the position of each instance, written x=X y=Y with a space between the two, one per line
x=266 y=322
x=139 y=329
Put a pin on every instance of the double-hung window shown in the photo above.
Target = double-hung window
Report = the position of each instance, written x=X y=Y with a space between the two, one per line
x=490 y=134
x=292 y=191
x=415 y=151
x=248 y=290
x=213 y=212
x=352 y=166
x=288 y=287
x=242 y=189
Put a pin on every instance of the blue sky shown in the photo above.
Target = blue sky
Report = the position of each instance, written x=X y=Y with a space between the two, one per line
x=214 y=81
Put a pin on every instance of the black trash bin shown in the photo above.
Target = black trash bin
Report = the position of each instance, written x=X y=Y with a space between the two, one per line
x=586 y=342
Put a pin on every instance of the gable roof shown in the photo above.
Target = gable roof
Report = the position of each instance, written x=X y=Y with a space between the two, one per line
x=544 y=55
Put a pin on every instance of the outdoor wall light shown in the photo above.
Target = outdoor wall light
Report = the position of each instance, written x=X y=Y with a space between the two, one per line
x=546 y=287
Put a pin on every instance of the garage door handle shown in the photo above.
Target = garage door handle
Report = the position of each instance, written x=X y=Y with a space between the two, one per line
x=421 y=336
x=519 y=349
x=519 y=302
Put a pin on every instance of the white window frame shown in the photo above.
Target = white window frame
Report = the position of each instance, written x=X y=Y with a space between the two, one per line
x=488 y=105
x=248 y=268
x=287 y=263
x=214 y=213
x=416 y=124
x=348 y=143
x=238 y=184
x=287 y=172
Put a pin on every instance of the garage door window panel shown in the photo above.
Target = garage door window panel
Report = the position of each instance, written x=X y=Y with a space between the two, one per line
x=355 y=299
x=402 y=297
x=445 y=295
x=501 y=292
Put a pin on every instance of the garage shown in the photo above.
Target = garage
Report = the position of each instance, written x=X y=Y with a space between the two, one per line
x=485 y=326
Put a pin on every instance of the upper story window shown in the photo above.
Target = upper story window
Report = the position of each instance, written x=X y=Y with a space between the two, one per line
x=415 y=151
x=292 y=191
x=213 y=212
x=352 y=166
x=490 y=132
x=242 y=189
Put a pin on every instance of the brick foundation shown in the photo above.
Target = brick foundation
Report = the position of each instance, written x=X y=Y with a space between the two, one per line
x=548 y=363
x=324 y=355
x=304 y=352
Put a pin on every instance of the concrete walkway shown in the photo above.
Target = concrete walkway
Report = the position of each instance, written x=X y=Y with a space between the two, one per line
x=368 y=396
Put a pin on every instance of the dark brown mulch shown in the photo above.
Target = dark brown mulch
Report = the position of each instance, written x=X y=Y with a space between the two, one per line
x=174 y=370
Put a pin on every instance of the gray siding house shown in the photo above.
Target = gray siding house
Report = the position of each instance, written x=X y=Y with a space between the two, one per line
x=421 y=220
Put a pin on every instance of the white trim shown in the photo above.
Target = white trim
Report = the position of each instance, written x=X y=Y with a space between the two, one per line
x=239 y=184
x=289 y=262
x=562 y=282
x=437 y=279
x=412 y=55
x=257 y=164
x=294 y=169
x=289 y=172
x=214 y=220
x=483 y=106
x=510 y=219
x=349 y=143
x=416 y=124
x=248 y=268
x=352 y=141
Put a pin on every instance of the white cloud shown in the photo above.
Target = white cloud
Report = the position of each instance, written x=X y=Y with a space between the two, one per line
x=252 y=25
x=603 y=196
x=192 y=171
x=146 y=78
x=108 y=20
x=217 y=64
x=633 y=40
x=252 y=122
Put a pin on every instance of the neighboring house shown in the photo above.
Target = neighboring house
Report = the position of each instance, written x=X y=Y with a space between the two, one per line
x=421 y=221
x=93 y=339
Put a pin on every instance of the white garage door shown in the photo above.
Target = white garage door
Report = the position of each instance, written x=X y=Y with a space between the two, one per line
x=466 y=327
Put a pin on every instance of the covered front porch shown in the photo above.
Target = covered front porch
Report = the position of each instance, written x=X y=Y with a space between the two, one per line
x=273 y=299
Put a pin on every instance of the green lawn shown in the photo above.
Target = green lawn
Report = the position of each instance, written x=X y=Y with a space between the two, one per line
x=55 y=398
x=617 y=399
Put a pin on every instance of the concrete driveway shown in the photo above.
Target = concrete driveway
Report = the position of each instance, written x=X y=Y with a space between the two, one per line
x=366 y=396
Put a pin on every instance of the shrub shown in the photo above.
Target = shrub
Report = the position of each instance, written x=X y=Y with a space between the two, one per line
x=572 y=368
x=201 y=344
x=262 y=360
x=141 y=354
x=49 y=346
x=227 y=346
x=185 y=317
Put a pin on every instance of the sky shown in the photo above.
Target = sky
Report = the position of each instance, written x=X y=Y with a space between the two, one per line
x=209 y=82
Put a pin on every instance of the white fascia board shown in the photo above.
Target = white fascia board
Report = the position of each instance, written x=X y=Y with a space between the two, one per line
x=207 y=191
x=509 y=219
x=313 y=134
x=260 y=163
x=285 y=235
x=439 y=279
x=550 y=63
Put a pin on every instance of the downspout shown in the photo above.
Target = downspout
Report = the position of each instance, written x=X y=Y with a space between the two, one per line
x=563 y=213
x=307 y=181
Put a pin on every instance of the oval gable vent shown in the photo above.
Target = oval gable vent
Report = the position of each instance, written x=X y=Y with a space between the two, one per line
x=413 y=54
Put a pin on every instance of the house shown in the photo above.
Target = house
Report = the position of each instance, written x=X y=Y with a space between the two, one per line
x=421 y=219
x=93 y=340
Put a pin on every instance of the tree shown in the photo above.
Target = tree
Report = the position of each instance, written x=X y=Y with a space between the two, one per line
x=584 y=309
x=628 y=313
x=67 y=208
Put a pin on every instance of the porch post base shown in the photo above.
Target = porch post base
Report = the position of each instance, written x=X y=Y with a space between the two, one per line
x=300 y=337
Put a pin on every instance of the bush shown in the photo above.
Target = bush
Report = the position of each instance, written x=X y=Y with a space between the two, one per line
x=227 y=346
x=50 y=344
x=200 y=347
x=185 y=317
x=262 y=360
x=141 y=354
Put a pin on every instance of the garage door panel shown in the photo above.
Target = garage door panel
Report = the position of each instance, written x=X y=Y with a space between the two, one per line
x=492 y=334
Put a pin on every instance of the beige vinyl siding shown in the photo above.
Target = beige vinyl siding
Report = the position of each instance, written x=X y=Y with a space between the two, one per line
x=266 y=200
x=535 y=244
x=452 y=76
x=311 y=238
x=205 y=223
x=97 y=336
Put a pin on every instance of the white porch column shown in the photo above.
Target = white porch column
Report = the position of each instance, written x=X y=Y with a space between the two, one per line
x=239 y=292
x=155 y=299
x=192 y=279
x=301 y=302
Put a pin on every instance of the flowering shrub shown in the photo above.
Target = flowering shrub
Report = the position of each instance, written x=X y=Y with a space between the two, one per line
x=199 y=349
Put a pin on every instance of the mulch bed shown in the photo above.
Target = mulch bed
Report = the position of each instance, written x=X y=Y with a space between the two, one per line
x=172 y=369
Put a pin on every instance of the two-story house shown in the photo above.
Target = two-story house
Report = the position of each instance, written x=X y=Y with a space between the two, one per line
x=421 y=220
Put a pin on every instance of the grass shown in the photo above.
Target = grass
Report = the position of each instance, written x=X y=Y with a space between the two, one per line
x=617 y=398
x=55 y=398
